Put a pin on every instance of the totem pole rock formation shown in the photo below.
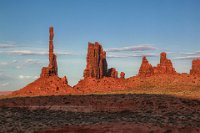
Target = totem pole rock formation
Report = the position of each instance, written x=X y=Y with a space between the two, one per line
x=49 y=83
x=195 y=67
x=165 y=67
x=52 y=69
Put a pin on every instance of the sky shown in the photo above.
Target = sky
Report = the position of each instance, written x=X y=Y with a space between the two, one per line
x=127 y=30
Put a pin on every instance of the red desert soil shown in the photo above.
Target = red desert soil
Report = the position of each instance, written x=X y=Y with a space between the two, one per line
x=5 y=92
x=120 y=127
x=100 y=113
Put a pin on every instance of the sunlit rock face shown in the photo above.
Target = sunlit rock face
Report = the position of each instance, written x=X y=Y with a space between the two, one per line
x=195 y=67
x=52 y=68
x=146 y=68
x=97 y=77
x=165 y=67
x=96 y=61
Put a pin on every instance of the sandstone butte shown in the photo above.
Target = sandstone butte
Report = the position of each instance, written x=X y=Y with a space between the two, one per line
x=98 y=78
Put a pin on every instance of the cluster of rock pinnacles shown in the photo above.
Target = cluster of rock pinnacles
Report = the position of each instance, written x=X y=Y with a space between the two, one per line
x=95 y=71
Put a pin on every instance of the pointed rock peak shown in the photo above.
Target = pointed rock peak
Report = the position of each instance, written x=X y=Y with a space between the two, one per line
x=97 y=43
x=51 y=33
x=163 y=58
x=163 y=55
x=144 y=59
x=146 y=69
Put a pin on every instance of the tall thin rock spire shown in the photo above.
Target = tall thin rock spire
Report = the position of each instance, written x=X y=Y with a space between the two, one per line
x=52 y=68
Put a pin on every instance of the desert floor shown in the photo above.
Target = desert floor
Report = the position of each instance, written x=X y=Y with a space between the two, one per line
x=140 y=113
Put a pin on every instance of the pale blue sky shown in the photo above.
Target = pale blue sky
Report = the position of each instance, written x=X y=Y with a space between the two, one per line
x=145 y=27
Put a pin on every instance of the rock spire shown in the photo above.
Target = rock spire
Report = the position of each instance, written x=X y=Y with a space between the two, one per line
x=52 y=68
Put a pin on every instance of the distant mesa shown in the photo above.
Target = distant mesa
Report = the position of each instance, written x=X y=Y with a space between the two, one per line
x=165 y=67
x=98 y=78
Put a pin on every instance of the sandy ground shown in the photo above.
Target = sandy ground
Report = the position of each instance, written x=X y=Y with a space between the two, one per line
x=100 y=113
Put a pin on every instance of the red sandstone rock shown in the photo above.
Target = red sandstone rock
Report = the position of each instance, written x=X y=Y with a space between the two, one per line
x=165 y=67
x=112 y=72
x=96 y=61
x=146 y=69
x=49 y=83
x=52 y=69
x=52 y=85
x=122 y=75
x=195 y=67
x=64 y=79
x=97 y=78
x=103 y=85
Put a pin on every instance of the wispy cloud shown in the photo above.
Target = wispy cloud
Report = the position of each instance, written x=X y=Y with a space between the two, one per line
x=24 y=63
x=3 y=63
x=27 y=77
x=142 y=47
x=20 y=63
x=32 y=61
x=26 y=52
x=195 y=53
x=5 y=77
x=4 y=84
x=7 y=44
x=132 y=55
x=34 y=52
x=188 y=57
